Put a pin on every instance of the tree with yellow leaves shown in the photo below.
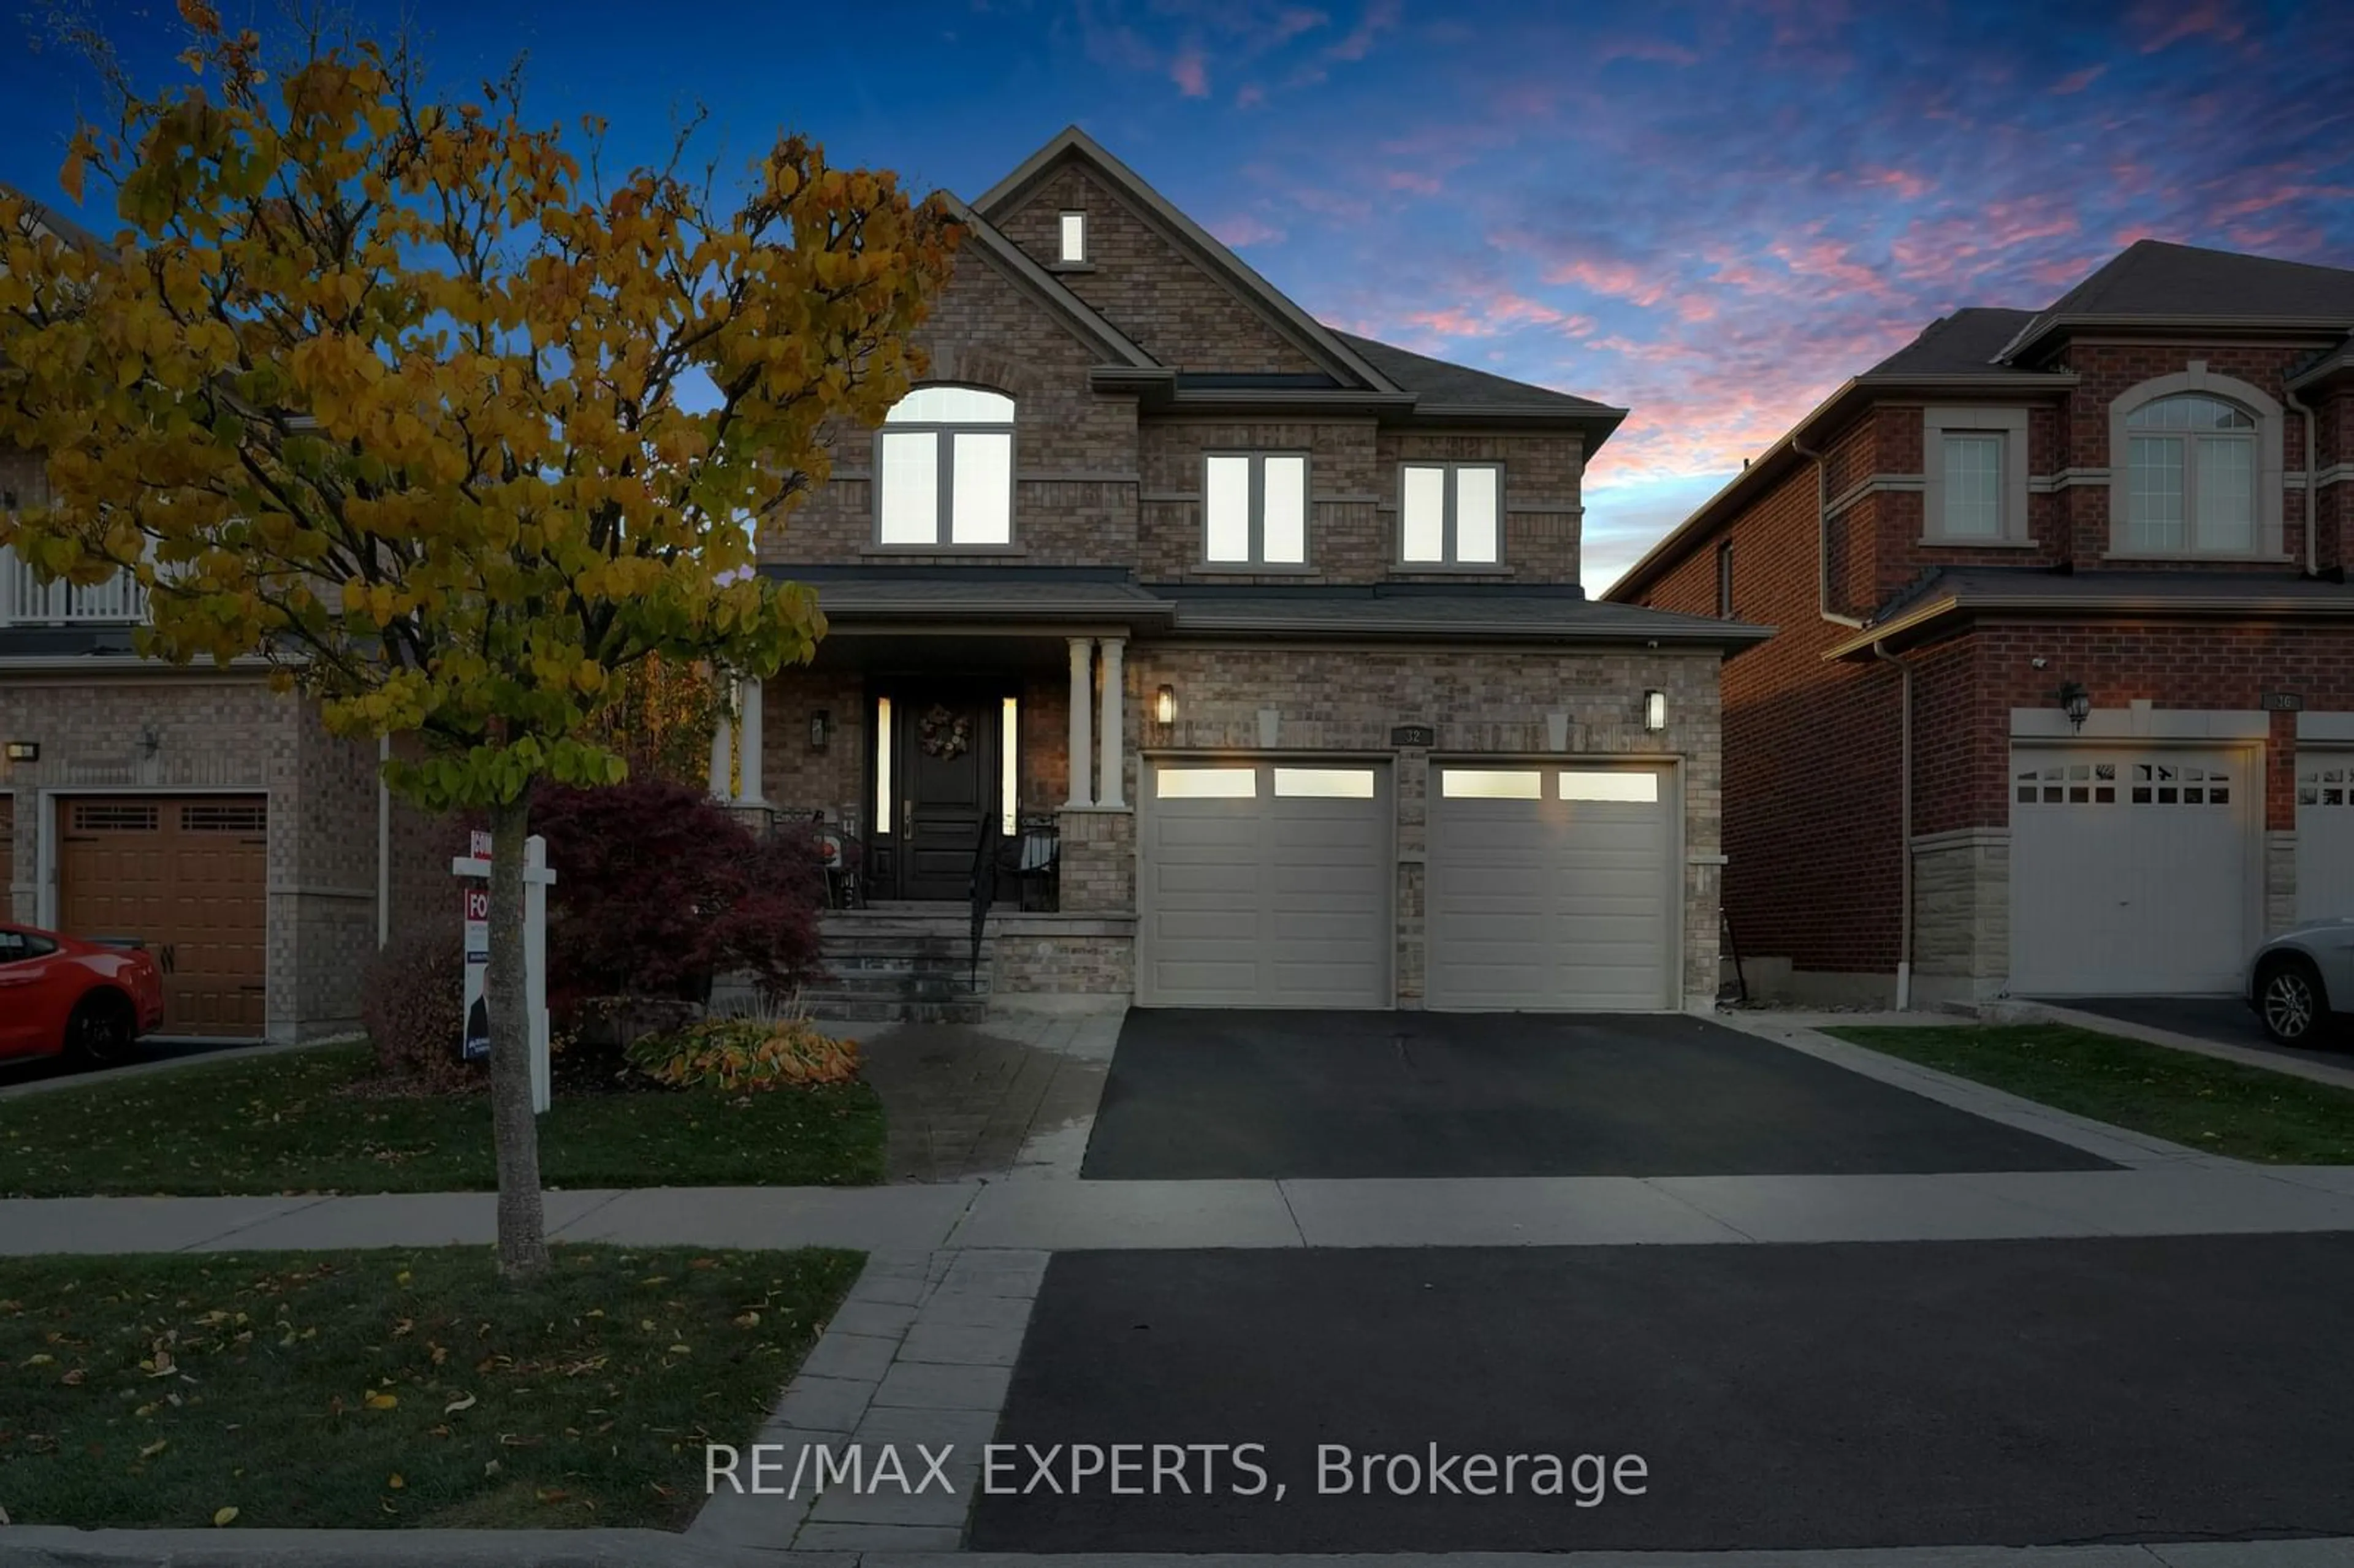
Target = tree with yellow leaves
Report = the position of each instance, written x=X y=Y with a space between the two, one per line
x=395 y=393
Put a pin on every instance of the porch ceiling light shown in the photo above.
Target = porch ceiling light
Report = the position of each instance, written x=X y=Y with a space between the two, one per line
x=2075 y=701
x=1164 y=705
x=1655 y=711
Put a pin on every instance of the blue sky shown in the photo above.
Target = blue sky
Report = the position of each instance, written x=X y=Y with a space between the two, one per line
x=1711 y=213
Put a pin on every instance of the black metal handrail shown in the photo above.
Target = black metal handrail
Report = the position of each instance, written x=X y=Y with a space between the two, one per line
x=983 y=890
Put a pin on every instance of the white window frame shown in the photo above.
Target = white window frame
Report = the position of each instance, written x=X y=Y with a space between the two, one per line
x=2266 y=536
x=1449 y=558
x=1255 y=558
x=944 y=434
x=1071 y=238
x=2010 y=426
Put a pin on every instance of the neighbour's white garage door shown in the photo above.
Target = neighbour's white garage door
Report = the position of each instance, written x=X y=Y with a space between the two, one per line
x=2325 y=835
x=1265 y=886
x=2131 y=869
x=1551 y=886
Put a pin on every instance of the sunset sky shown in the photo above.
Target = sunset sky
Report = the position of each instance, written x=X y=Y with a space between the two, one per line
x=1711 y=213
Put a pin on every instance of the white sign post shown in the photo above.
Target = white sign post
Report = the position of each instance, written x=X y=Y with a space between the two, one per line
x=475 y=1045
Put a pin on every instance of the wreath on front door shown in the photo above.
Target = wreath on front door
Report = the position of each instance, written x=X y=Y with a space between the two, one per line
x=945 y=735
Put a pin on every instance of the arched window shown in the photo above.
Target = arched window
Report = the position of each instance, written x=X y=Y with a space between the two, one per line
x=2191 y=469
x=944 y=469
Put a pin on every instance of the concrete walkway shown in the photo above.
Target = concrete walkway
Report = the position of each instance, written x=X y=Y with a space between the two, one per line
x=1054 y=1215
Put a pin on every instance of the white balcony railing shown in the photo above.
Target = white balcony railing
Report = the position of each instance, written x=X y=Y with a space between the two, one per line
x=26 y=601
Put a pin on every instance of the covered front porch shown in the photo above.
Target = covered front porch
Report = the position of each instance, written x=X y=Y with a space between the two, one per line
x=975 y=744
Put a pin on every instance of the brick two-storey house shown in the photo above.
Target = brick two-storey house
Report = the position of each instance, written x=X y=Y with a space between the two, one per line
x=2062 y=700
x=1274 y=630
x=194 y=808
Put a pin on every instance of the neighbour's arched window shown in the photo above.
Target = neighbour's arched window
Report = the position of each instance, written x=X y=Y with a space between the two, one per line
x=2191 y=471
x=944 y=469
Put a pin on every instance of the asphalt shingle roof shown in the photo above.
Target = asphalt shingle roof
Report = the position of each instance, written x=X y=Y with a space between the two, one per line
x=2154 y=278
x=1437 y=381
x=1967 y=341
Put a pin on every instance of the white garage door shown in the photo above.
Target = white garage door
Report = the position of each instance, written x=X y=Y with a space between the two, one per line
x=2325 y=835
x=2131 y=869
x=1265 y=886
x=1551 y=886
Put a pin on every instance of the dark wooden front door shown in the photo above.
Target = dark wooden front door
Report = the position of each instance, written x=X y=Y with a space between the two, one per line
x=948 y=785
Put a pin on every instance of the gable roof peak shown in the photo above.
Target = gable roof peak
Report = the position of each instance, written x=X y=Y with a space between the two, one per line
x=1323 y=344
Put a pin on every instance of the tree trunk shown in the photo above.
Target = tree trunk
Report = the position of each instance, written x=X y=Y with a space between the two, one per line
x=514 y=1130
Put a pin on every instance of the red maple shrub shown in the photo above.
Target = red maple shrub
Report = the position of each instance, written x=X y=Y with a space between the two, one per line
x=659 y=889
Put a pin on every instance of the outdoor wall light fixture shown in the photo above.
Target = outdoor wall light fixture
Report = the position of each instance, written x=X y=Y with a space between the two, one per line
x=1655 y=711
x=2075 y=701
x=150 y=743
x=1164 y=705
x=24 y=751
x=821 y=722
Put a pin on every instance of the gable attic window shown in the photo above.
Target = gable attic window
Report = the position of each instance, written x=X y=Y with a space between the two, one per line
x=944 y=469
x=1451 y=513
x=1073 y=230
x=1255 y=509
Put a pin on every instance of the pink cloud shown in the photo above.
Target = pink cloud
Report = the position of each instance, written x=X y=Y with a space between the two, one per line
x=1378 y=17
x=1910 y=186
x=1490 y=313
x=1243 y=229
x=1619 y=280
x=1653 y=51
x=2078 y=80
x=1251 y=96
x=1408 y=180
x=2170 y=22
x=1190 y=72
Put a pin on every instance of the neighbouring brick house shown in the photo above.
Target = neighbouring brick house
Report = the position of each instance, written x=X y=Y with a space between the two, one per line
x=194 y=809
x=1273 y=631
x=2138 y=504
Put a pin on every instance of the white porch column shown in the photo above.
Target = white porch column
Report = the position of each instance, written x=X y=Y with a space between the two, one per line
x=1115 y=708
x=747 y=729
x=723 y=749
x=1082 y=694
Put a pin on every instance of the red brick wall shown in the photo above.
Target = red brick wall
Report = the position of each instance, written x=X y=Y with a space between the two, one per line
x=2210 y=666
x=2105 y=371
x=2334 y=444
x=1810 y=795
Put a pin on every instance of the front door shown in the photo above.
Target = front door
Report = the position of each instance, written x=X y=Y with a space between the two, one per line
x=947 y=744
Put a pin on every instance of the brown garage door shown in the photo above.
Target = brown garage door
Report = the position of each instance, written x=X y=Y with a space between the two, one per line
x=186 y=875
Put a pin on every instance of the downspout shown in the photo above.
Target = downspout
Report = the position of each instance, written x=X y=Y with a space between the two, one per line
x=2312 y=496
x=1823 y=537
x=1904 y=827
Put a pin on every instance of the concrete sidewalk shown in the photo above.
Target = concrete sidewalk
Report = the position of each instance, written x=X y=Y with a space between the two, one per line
x=1057 y=1215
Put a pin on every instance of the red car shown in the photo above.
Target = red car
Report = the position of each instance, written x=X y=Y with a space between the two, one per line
x=61 y=994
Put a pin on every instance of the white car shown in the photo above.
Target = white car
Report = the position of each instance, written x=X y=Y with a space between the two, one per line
x=2300 y=977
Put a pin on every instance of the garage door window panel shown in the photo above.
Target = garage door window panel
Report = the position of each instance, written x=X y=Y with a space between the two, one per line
x=1608 y=785
x=1206 y=783
x=1491 y=784
x=1325 y=783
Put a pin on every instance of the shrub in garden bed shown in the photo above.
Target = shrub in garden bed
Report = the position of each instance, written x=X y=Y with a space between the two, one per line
x=412 y=1006
x=746 y=1053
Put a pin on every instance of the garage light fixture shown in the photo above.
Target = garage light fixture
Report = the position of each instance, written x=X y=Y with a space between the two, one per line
x=1164 y=705
x=821 y=723
x=1655 y=711
x=2075 y=701
x=24 y=751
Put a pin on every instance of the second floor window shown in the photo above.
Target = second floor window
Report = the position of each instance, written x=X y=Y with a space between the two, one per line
x=1255 y=509
x=944 y=469
x=2190 y=478
x=1451 y=513
x=1973 y=493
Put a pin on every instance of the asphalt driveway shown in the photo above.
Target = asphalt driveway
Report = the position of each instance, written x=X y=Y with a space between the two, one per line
x=2225 y=1019
x=1200 y=1095
x=1998 y=1394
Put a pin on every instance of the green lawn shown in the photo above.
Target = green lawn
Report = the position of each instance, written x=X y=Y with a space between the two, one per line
x=2204 y=1103
x=374 y=1389
x=277 y=1124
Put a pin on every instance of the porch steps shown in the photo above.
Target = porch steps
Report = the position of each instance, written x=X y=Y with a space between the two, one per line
x=900 y=965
